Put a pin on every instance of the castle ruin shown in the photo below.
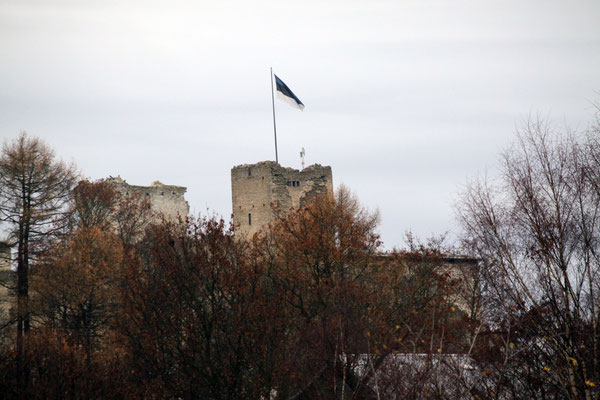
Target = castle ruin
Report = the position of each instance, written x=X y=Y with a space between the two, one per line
x=256 y=187
x=165 y=200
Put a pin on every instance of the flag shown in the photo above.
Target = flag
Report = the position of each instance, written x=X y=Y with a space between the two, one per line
x=284 y=93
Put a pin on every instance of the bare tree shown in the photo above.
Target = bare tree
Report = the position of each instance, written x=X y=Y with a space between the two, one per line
x=34 y=191
x=537 y=233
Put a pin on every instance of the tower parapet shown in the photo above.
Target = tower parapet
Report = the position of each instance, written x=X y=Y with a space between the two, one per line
x=254 y=187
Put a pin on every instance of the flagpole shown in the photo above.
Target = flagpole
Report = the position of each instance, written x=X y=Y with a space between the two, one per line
x=274 y=125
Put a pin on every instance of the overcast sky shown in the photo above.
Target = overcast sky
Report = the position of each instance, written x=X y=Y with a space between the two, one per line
x=405 y=100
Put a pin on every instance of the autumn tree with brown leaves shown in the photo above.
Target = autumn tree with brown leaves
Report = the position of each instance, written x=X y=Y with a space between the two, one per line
x=99 y=204
x=76 y=299
x=312 y=307
x=76 y=288
x=349 y=304
x=426 y=313
x=60 y=369
x=194 y=313
x=95 y=204
x=35 y=188
x=320 y=258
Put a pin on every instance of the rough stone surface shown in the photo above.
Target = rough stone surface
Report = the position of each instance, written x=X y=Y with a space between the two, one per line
x=167 y=200
x=465 y=271
x=255 y=188
x=6 y=276
x=4 y=256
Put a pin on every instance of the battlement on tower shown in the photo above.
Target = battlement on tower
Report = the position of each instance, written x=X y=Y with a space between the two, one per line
x=254 y=187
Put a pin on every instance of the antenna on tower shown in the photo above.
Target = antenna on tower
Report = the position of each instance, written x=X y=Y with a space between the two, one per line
x=302 y=153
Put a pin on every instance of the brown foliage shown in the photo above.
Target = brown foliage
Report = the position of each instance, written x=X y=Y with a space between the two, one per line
x=34 y=191
x=99 y=204
x=320 y=259
x=76 y=287
x=95 y=204
x=195 y=314
x=59 y=369
x=311 y=308
x=348 y=304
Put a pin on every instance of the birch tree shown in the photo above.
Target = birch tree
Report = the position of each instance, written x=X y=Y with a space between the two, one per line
x=537 y=232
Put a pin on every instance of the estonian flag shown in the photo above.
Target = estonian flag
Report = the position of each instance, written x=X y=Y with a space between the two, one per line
x=284 y=93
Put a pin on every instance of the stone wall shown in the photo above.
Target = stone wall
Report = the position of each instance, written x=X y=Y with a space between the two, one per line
x=256 y=187
x=465 y=270
x=6 y=276
x=4 y=256
x=167 y=200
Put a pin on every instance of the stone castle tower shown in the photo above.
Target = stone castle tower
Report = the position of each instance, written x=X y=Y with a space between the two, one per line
x=254 y=187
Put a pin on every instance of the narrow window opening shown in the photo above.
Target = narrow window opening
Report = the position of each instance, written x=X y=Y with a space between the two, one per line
x=249 y=171
x=249 y=219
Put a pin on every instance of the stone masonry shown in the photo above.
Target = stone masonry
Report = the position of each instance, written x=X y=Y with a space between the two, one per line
x=167 y=200
x=256 y=187
x=465 y=270
x=4 y=256
x=6 y=276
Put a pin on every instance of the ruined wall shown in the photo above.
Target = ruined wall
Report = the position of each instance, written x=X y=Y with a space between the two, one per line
x=6 y=276
x=167 y=200
x=4 y=256
x=465 y=270
x=254 y=187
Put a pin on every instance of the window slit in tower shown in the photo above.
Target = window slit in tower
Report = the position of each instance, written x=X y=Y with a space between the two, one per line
x=249 y=219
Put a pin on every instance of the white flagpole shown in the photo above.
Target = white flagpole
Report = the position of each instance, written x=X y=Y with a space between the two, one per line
x=274 y=125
